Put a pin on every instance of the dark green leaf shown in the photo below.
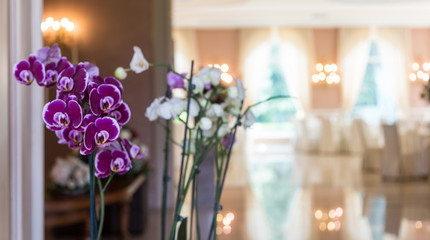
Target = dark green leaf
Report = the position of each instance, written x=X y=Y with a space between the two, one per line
x=182 y=232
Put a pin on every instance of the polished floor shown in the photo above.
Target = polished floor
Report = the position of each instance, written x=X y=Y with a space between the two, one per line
x=299 y=197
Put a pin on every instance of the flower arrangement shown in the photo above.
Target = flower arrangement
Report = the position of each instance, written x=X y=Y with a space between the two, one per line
x=70 y=175
x=211 y=112
x=87 y=114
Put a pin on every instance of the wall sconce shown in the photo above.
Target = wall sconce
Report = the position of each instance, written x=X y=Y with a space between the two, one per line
x=329 y=220
x=61 y=32
x=326 y=74
x=224 y=223
x=227 y=78
x=420 y=72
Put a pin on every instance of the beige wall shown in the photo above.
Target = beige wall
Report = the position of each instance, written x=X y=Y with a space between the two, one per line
x=221 y=45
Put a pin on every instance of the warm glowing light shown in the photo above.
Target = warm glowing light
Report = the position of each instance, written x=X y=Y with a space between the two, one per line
x=339 y=212
x=322 y=226
x=327 y=68
x=319 y=67
x=315 y=78
x=226 y=221
x=230 y=216
x=332 y=213
x=219 y=217
x=418 y=224
x=318 y=214
x=426 y=66
x=415 y=66
x=217 y=66
x=336 y=78
x=426 y=77
x=49 y=21
x=44 y=26
x=321 y=76
x=420 y=74
x=56 y=25
x=337 y=226
x=330 y=226
x=226 y=230
x=412 y=77
x=218 y=230
x=226 y=77
x=225 y=67
x=210 y=65
x=64 y=22
x=70 y=26
x=334 y=68
x=325 y=216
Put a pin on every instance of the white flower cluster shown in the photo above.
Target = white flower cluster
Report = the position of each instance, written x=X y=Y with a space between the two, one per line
x=70 y=173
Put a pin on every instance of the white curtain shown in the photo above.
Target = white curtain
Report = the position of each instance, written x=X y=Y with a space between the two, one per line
x=185 y=49
x=394 y=50
x=353 y=55
x=297 y=48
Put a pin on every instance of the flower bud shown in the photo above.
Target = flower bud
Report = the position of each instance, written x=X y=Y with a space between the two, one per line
x=120 y=73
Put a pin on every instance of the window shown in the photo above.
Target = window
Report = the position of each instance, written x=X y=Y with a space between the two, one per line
x=274 y=84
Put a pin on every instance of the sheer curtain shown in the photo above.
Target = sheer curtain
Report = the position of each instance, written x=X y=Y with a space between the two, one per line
x=353 y=55
x=297 y=48
x=185 y=49
x=393 y=46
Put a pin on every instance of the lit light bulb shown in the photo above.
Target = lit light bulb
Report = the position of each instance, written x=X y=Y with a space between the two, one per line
x=226 y=221
x=322 y=226
x=319 y=67
x=330 y=80
x=327 y=68
x=415 y=66
x=332 y=213
x=339 y=212
x=426 y=66
x=44 y=26
x=336 y=78
x=225 y=67
x=230 y=216
x=412 y=77
x=219 y=217
x=217 y=66
x=318 y=214
x=330 y=226
x=70 y=26
x=64 y=22
x=334 y=68
x=56 y=25
x=210 y=65
x=420 y=74
x=49 y=21
x=226 y=77
x=322 y=76
x=226 y=230
x=315 y=78
x=426 y=77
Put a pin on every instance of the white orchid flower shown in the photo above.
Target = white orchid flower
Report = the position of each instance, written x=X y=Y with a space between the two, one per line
x=152 y=111
x=215 y=110
x=177 y=106
x=165 y=110
x=194 y=108
x=138 y=63
x=223 y=130
x=205 y=123
x=241 y=89
x=209 y=75
x=250 y=119
x=233 y=92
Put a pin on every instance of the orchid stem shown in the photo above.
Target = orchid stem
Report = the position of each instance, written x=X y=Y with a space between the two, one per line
x=93 y=220
x=102 y=206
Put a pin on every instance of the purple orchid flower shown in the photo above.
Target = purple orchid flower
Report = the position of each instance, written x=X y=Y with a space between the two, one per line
x=26 y=71
x=108 y=161
x=104 y=99
x=100 y=133
x=175 y=81
x=58 y=114
x=73 y=80
x=91 y=69
x=53 y=70
x=49 y=54
x=70 y=136
x=96 y=81
x=133 y=150
x=122 y=114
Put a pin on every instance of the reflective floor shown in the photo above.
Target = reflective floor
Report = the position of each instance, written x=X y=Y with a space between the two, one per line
x=300 y=197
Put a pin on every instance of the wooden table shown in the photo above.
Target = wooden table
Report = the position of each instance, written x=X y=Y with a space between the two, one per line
x=66 y=210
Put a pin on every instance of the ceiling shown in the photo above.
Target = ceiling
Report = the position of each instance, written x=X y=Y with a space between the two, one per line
x=312 y=13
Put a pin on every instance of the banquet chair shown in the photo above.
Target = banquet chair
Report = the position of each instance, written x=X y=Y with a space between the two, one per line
x=372 y=153
x=401 y=162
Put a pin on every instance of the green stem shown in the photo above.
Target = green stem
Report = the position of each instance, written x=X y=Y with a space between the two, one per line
x=102 y=207
x=266 y=100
